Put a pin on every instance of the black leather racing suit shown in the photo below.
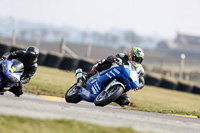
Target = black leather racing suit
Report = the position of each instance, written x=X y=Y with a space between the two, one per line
x=30 y=68
x=107 y=63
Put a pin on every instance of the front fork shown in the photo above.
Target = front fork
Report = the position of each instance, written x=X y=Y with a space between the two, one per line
x=79 y=76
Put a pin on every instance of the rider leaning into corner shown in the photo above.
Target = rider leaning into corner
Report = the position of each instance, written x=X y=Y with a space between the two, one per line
x=136 y=54
x=29 y=58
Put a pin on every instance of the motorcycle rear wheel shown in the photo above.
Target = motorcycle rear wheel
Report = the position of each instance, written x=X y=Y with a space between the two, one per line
x=106 y=97
x=71 y=96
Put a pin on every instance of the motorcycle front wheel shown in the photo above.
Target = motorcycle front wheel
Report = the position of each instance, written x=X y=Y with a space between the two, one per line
x=72 y=96
x=106 y=97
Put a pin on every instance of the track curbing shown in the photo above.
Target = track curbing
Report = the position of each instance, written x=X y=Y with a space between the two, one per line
x=52 y=98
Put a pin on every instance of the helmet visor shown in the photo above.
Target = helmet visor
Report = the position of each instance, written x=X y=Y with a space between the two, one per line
x=139 y=60
x=30 y=56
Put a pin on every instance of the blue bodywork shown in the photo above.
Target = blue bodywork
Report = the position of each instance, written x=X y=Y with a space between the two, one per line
x=96 y=82
x=8 y=73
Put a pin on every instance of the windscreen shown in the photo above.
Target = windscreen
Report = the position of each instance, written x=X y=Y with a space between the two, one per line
x=134 y=75
x=17 y=66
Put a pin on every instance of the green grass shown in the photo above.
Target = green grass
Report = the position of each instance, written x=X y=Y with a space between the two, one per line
x=50 y=81
x=154 y=99
x=55 y=82
x=15 y=124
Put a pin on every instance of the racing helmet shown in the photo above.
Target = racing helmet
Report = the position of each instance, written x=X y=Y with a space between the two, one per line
x=31 y=53
x=136 y=54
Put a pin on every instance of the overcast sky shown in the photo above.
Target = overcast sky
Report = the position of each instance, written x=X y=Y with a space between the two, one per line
x=145 y=17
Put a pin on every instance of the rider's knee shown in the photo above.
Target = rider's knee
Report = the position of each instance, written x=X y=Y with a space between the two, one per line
x=123 y=99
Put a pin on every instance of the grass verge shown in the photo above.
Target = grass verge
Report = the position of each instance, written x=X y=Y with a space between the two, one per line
x=55 y=82
x=155 y=99
x=50 y=81
x=15 y=124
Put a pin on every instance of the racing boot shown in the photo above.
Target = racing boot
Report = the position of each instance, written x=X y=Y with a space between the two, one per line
x=81 y=82
x=79 y=75
x=84 y=79
x=123 y=100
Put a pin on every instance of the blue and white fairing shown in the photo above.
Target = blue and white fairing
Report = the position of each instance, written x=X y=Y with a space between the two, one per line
x=8 y=69
x=127 y=74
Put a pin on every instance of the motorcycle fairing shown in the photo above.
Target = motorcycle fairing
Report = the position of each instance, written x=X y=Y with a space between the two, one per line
x=9 y=73
x=95 y=83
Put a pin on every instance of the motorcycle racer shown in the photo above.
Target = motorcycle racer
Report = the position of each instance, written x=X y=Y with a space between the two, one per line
x=136 y=55
x=29 y=58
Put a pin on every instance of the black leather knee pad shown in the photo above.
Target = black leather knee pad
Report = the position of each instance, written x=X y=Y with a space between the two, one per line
x=123 y=99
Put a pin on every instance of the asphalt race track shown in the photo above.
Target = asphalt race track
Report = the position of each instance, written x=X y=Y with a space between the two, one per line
x=54 y=108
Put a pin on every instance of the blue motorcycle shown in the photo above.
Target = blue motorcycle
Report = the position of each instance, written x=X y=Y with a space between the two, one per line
x=106 y=86
x=10 y=73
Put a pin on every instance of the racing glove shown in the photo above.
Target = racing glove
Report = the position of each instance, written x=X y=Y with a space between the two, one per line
x=2 y=58
x=116 y=60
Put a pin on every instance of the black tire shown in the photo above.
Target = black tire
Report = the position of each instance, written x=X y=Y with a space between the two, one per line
x=168 y=84
x=153 y=80
x=4 y=48
x=184 y=87
x=196 y=90
x=86 y=65
x=53 y=60
x=41 y=58
x=2 y=91
x=72 y=97
x=16 y=90
x=116 y=90
x=69 y=63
